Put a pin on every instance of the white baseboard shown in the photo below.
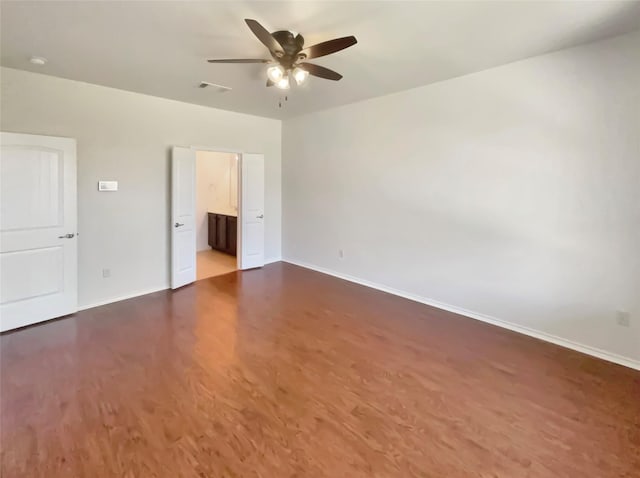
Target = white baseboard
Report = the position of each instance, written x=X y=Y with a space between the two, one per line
x=145 y=292
x=586 y=349
x=119 y=298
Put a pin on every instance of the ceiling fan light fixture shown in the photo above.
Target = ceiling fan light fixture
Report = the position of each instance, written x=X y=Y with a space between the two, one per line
x=300 y=75
x=275 y=73
x=289 y=54
x=283 y=83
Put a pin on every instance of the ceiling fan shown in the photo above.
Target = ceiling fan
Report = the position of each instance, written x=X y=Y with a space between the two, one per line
x=289 y=55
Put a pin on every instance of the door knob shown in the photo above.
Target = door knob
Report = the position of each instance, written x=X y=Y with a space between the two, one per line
x=67 y=236
x=177 y=224
x=260 y=216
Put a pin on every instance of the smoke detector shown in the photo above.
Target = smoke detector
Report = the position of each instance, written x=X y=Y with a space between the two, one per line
x=38 y=60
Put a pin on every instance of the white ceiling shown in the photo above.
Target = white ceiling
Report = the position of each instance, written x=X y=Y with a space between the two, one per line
x=161 y=48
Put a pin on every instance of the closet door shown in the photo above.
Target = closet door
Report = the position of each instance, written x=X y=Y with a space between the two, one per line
x=38 y=229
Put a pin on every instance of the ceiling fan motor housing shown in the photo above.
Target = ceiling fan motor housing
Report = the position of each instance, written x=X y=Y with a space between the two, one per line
x=291 y=45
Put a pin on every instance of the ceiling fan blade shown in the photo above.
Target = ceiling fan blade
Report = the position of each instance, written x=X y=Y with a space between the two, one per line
x=239 y=60
x=264 y=36
x=328 y=47
x=321 y=71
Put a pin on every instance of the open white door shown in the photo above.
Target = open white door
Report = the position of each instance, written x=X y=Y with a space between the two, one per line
x=252 y=211
x=183 y=212
x=38 y=229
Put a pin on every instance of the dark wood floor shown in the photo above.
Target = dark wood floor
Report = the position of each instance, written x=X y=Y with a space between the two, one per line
x=285 y=372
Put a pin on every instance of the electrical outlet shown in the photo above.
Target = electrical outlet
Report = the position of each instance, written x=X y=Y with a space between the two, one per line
x=340 y=253
x=623 y=318
x=106 y=273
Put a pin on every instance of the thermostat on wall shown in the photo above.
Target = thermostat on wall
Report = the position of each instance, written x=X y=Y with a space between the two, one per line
x=107 y=185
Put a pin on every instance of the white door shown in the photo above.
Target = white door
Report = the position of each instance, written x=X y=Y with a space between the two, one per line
x=252 y=211
x=38 y=229
x=183 y=213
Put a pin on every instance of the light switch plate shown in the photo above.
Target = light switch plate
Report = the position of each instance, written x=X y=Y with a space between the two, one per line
x=107 y=185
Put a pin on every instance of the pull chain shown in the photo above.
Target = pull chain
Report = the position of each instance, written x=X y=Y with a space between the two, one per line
x=286 y=98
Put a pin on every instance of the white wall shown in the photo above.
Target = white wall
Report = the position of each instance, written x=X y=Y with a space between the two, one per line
x=513 y=193
x=127 y=137
x=216 y=190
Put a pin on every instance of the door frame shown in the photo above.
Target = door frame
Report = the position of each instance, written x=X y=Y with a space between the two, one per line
x=239 y=189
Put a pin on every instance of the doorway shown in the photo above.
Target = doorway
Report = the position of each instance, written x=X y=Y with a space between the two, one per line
x=249 y=226
x=216 y=213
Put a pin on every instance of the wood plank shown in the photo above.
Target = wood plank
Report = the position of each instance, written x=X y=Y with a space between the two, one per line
x=285 y=372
